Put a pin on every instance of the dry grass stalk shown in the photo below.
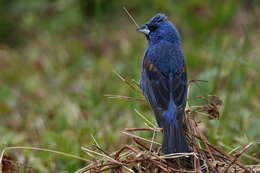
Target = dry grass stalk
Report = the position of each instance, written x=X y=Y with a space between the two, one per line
x=144 y=155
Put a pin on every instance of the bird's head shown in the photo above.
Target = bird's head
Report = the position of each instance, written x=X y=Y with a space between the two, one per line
x=159 y=28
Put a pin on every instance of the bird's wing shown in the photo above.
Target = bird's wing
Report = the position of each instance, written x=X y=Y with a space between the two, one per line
x=155 y=81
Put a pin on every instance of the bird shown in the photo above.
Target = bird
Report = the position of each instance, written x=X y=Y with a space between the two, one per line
x=163 y=81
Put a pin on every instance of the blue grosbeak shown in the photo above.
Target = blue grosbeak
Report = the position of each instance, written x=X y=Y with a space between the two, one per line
x=164 y=81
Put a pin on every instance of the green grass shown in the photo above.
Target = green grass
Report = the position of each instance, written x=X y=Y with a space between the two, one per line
x=54 y=78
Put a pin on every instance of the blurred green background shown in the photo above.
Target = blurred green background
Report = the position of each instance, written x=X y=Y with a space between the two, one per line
x=57 y=59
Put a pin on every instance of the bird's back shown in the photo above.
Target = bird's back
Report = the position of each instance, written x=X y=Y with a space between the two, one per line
x=167 y=59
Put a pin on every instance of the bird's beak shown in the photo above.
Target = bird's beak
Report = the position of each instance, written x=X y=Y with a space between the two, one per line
x=144 y=29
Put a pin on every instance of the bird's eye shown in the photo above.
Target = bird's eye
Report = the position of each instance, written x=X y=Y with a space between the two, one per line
x=152 y=27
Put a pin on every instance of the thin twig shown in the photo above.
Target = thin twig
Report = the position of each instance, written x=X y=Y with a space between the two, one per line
x=144 y=139
x=110 y=96
x=238 y=155
x=131 y=17
x=143 y=129
x=43 y=150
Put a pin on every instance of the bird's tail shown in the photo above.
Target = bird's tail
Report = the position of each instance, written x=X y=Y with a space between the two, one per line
x=174 y=140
